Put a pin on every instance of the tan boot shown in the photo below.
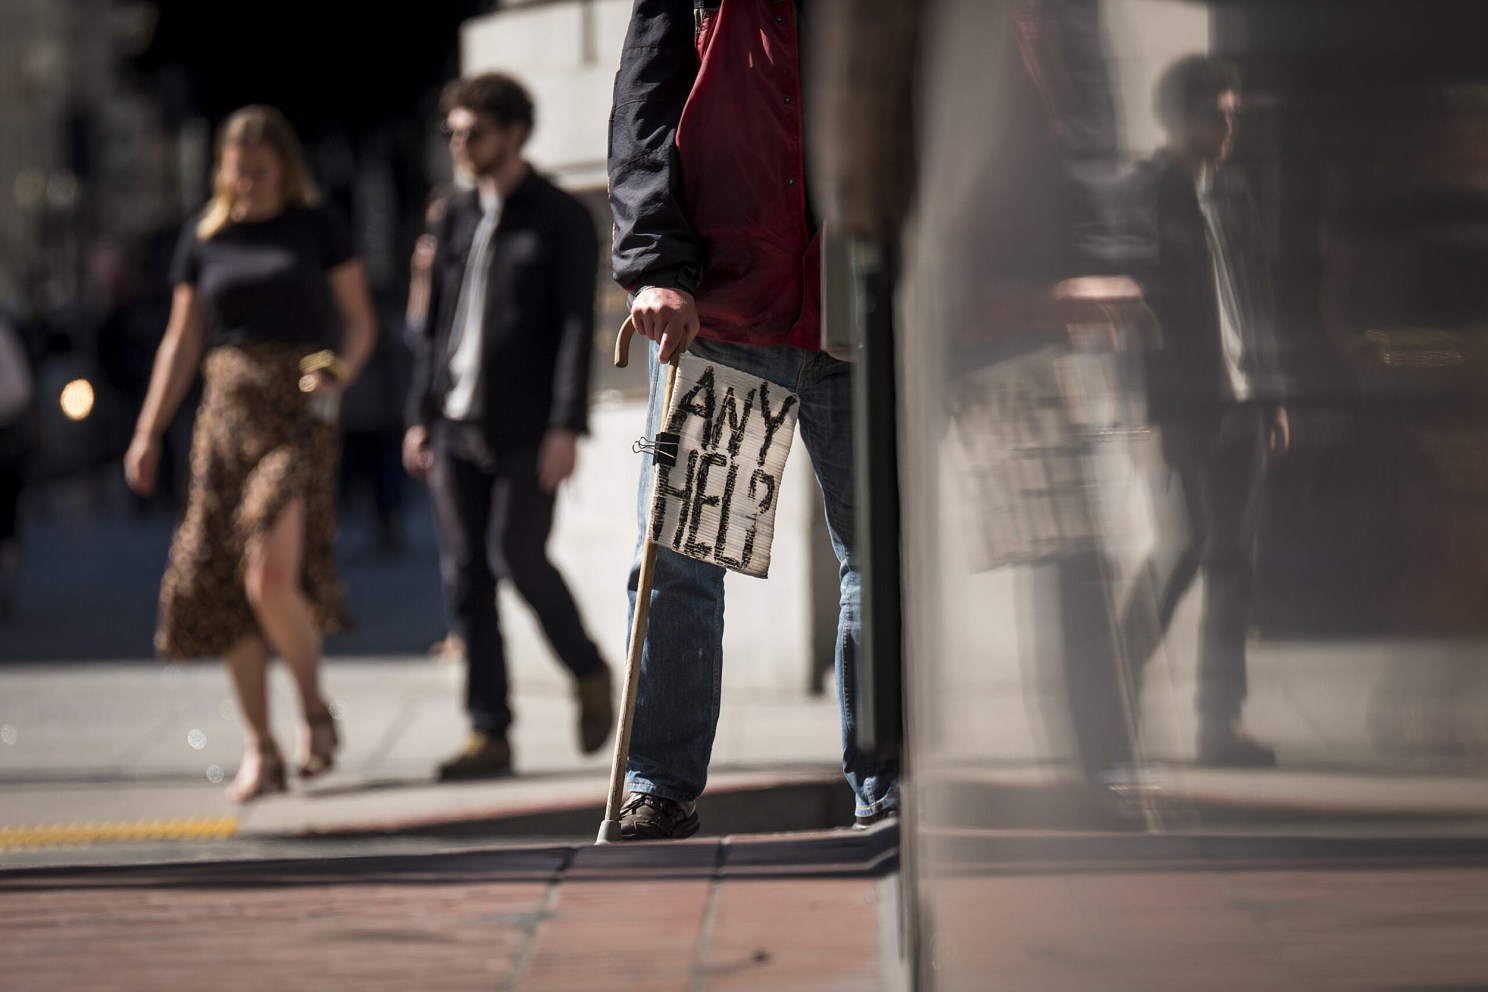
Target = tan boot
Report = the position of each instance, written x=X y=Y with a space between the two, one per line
x=482 y=756
x=596 y=697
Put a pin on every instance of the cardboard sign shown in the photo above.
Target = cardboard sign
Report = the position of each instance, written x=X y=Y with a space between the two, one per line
x=717 y=501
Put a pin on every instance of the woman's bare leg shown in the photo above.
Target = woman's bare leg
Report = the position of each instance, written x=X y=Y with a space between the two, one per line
x=261 y=770
x=272 y=581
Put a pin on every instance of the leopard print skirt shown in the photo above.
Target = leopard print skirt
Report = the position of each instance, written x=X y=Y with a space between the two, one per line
x=256 y=448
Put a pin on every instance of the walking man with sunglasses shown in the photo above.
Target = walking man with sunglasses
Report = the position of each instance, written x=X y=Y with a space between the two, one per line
x=499 y=400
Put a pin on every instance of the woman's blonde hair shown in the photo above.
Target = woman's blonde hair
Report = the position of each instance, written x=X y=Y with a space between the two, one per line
x=257 y=126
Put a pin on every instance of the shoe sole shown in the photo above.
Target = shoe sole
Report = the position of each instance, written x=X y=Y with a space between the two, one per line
x=876 y=825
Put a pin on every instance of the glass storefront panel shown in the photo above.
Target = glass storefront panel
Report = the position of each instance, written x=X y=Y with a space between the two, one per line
x=1193 y=564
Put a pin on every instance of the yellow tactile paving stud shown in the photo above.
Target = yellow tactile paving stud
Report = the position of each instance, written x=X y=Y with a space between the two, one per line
x=87 y=834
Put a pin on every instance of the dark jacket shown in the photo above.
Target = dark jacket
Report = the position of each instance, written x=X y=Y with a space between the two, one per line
x=707 y=167
x=1172 y=262
x=539 y=319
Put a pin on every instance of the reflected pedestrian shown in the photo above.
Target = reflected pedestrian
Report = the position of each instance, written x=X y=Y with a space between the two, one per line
x=1214 y=391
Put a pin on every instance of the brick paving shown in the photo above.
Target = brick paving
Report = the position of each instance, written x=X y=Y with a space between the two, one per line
x=798 y=913
x=663 y=917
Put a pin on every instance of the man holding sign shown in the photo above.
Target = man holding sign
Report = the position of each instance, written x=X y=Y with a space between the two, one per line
x=716 y=238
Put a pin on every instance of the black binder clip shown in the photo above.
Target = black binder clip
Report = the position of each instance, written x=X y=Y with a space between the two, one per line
x=663 y=450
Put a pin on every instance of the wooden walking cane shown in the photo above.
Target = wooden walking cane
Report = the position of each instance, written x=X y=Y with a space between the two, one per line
x=609 y=830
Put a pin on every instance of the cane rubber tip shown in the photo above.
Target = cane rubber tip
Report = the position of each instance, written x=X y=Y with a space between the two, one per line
x=609 y=832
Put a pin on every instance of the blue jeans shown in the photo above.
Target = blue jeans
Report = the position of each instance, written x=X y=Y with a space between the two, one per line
x=677 y=703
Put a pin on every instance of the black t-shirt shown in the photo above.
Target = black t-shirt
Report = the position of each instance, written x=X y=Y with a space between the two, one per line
x=266 y=280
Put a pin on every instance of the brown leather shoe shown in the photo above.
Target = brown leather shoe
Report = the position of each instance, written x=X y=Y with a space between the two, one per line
x=482 y=756
x=646 y=817
x=596 y=697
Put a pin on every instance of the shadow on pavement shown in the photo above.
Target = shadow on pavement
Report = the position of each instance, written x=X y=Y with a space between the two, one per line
x=779 y=807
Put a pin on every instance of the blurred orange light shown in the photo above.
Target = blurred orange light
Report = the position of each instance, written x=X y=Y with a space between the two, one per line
x=77 y=399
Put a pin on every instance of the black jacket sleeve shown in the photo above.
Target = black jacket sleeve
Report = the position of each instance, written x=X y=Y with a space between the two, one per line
x=654 y=242
x=578 y=262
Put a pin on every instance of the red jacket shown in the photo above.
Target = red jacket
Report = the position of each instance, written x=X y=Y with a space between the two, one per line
x=707 y=172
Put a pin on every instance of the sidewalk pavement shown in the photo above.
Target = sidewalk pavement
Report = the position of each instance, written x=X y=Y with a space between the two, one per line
x=805 y=913
x=139 y=749
x=149 y=744
x=814 y=913
x=94 y=757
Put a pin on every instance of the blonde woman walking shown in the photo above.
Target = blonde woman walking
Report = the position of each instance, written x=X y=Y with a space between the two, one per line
x=268 y=289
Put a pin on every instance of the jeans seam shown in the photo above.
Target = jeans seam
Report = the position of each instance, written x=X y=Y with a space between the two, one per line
x=881 y=806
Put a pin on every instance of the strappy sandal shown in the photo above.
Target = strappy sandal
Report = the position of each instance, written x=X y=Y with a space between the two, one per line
x=324 y=740
x=269 y=781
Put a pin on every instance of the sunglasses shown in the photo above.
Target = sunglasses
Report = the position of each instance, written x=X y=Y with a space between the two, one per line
x=465 y=134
